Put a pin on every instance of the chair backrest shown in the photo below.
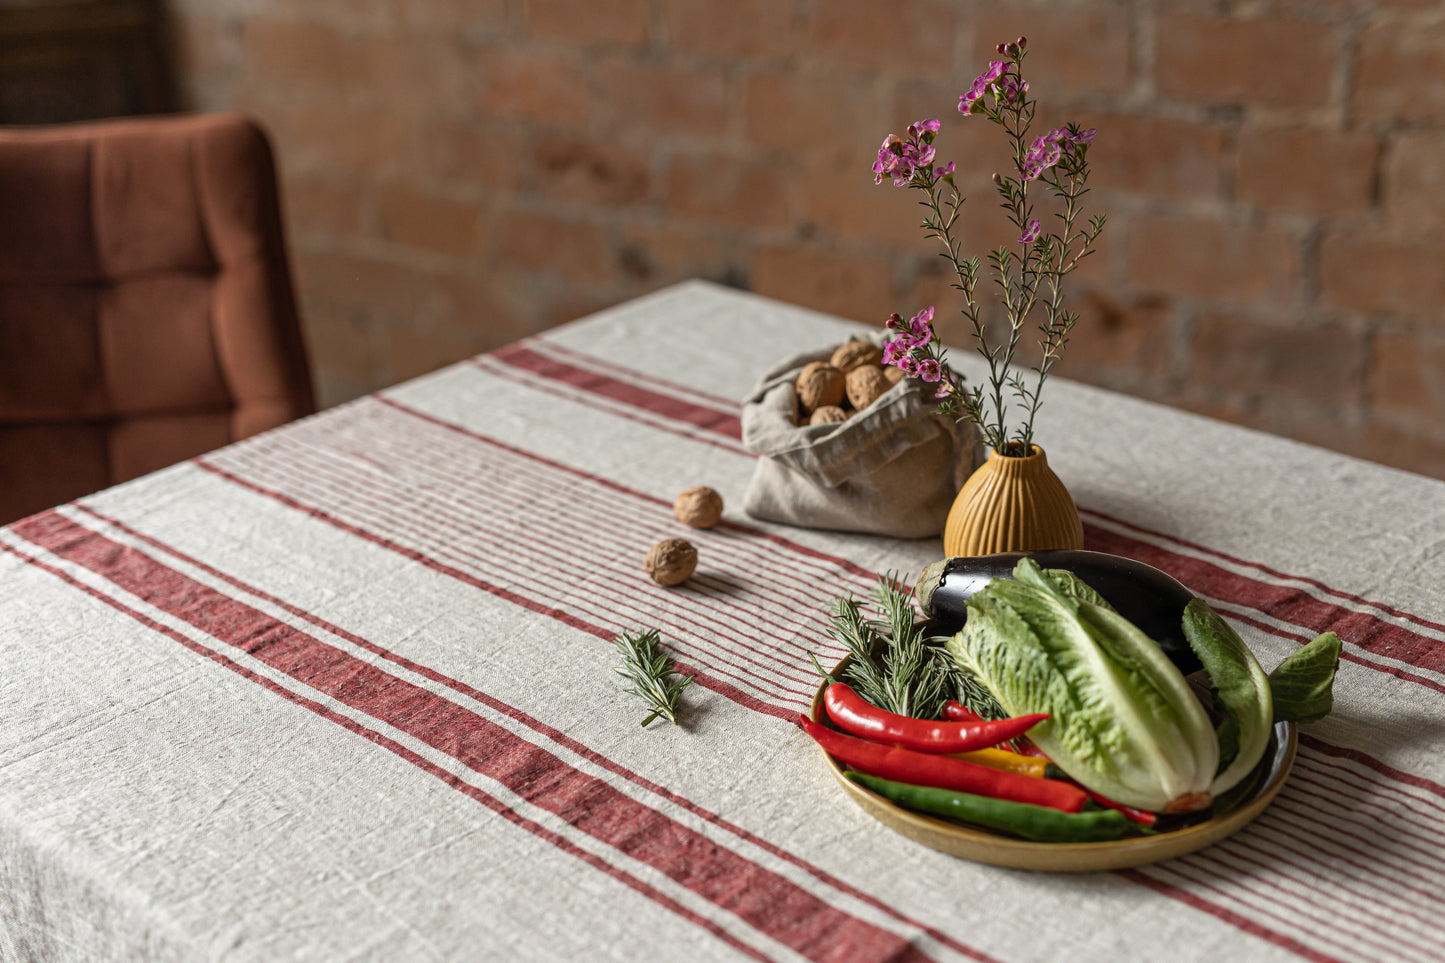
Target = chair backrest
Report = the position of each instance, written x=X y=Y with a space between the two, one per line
x=146 y=311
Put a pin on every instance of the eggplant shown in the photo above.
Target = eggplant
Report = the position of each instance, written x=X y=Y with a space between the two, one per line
x=1141 y=593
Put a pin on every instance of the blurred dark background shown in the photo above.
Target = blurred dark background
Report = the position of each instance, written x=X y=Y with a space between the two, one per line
x=459 y=173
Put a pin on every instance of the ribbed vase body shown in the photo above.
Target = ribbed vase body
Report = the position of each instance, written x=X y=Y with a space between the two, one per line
x=1012 y=504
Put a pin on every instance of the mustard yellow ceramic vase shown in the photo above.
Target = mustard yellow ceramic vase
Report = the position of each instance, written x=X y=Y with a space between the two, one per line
x=1012 y=504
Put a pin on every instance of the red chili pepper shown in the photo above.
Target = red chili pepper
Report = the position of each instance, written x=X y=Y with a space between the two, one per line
x=1138 y=815
x=854 y=714
x=955 y=711
x=1027 y=748
x=926 y=769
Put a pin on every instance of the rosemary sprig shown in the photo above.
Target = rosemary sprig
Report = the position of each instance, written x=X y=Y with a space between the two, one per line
x=891 y=666
x=647 y=667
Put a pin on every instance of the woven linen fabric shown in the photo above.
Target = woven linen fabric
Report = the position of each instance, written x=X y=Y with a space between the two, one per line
x=344 y=690
x=891 y=469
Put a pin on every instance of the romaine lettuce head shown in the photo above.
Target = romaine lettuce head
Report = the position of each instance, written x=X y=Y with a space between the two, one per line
x=1124 y=722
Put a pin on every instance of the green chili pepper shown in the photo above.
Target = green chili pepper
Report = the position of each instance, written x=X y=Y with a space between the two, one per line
x=1039 y=823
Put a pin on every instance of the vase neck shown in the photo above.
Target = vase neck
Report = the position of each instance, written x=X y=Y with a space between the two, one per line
x=1034 y=464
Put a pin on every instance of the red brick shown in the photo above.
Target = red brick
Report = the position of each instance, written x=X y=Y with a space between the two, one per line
x=1414 y=181
x=1072 y=50
x=1118 y=338
x=1306 y=171
x=589 y=23
x=297 y=53
x=428 y=223
x=471 y=19
x=1156 y=156
x=323 y=207
x=480 y=154
x=544 y=88
x=656 y=254
x=363 y=142
x=595 y=172
x=1209 y=259
x=832 y=121
x=845 y=203
x=569 y=248
x=662 y=100
x=1403 y=448
x=1311 y=362
x=723 y=190
x=851 y=286
x=913 y=36
x=1407 y=378
x=1400 y=74
x=1266 y=61
x=736 y=29
x=1381 y=275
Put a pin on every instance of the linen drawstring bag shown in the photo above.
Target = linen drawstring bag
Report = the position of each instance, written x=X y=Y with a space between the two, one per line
x=891 y=469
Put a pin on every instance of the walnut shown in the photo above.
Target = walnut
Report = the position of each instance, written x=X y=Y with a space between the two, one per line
x=854 y=353
x=671 y=561
x=865 y=384
x=820 y=384
x=828 y=415
x=698 y=507
x=894 y=375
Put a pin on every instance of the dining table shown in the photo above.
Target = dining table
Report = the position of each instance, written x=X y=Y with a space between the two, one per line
x=346 y=690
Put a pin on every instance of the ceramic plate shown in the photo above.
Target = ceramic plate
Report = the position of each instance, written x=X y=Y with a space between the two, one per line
x=984 y=846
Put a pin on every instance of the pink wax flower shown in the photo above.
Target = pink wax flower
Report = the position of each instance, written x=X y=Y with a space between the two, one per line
x=908 y=365
x=945 y=388
x=895 y=350
x=924 y=130
x=1031 y=233
x=920 y=327
x=944 y=171
x=929 y=369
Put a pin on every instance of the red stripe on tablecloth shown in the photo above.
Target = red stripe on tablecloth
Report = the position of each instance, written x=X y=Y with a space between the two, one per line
x=766 y=901
x=517 y=557
x=703 y=679
x=1259 y=567
x=723 y=422
x=491 y=802
x=1245 y=923
x=544 y=345
x=558 y=389
x=840 y=562
x=1287 y=604
x=536 y=725
x=1370 y=762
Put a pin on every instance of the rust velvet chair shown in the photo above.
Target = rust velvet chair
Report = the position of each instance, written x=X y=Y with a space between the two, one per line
x=146 y=312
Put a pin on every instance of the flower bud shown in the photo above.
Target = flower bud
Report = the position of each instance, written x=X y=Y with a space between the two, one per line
x=998 y=47
x=1011 y=50
x=997 y=179
x=1022 y=42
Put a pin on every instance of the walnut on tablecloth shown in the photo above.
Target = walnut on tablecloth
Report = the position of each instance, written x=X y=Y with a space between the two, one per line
x=671 y=561
x=698 y=507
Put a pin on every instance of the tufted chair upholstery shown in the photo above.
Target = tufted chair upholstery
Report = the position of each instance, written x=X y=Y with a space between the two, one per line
x=146 y=312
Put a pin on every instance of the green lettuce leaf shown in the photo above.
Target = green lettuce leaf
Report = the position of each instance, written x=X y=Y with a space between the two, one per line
x=1125 y=723
x=1303 y=684
x=1241 y=685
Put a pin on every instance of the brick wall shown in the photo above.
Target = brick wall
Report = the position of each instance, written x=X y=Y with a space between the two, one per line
x=459 y=173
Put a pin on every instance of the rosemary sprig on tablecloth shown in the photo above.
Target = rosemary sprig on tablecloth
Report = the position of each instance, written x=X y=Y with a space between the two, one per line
x=648 y=668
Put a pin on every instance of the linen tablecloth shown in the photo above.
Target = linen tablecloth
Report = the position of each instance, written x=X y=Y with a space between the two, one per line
x=344 y=691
